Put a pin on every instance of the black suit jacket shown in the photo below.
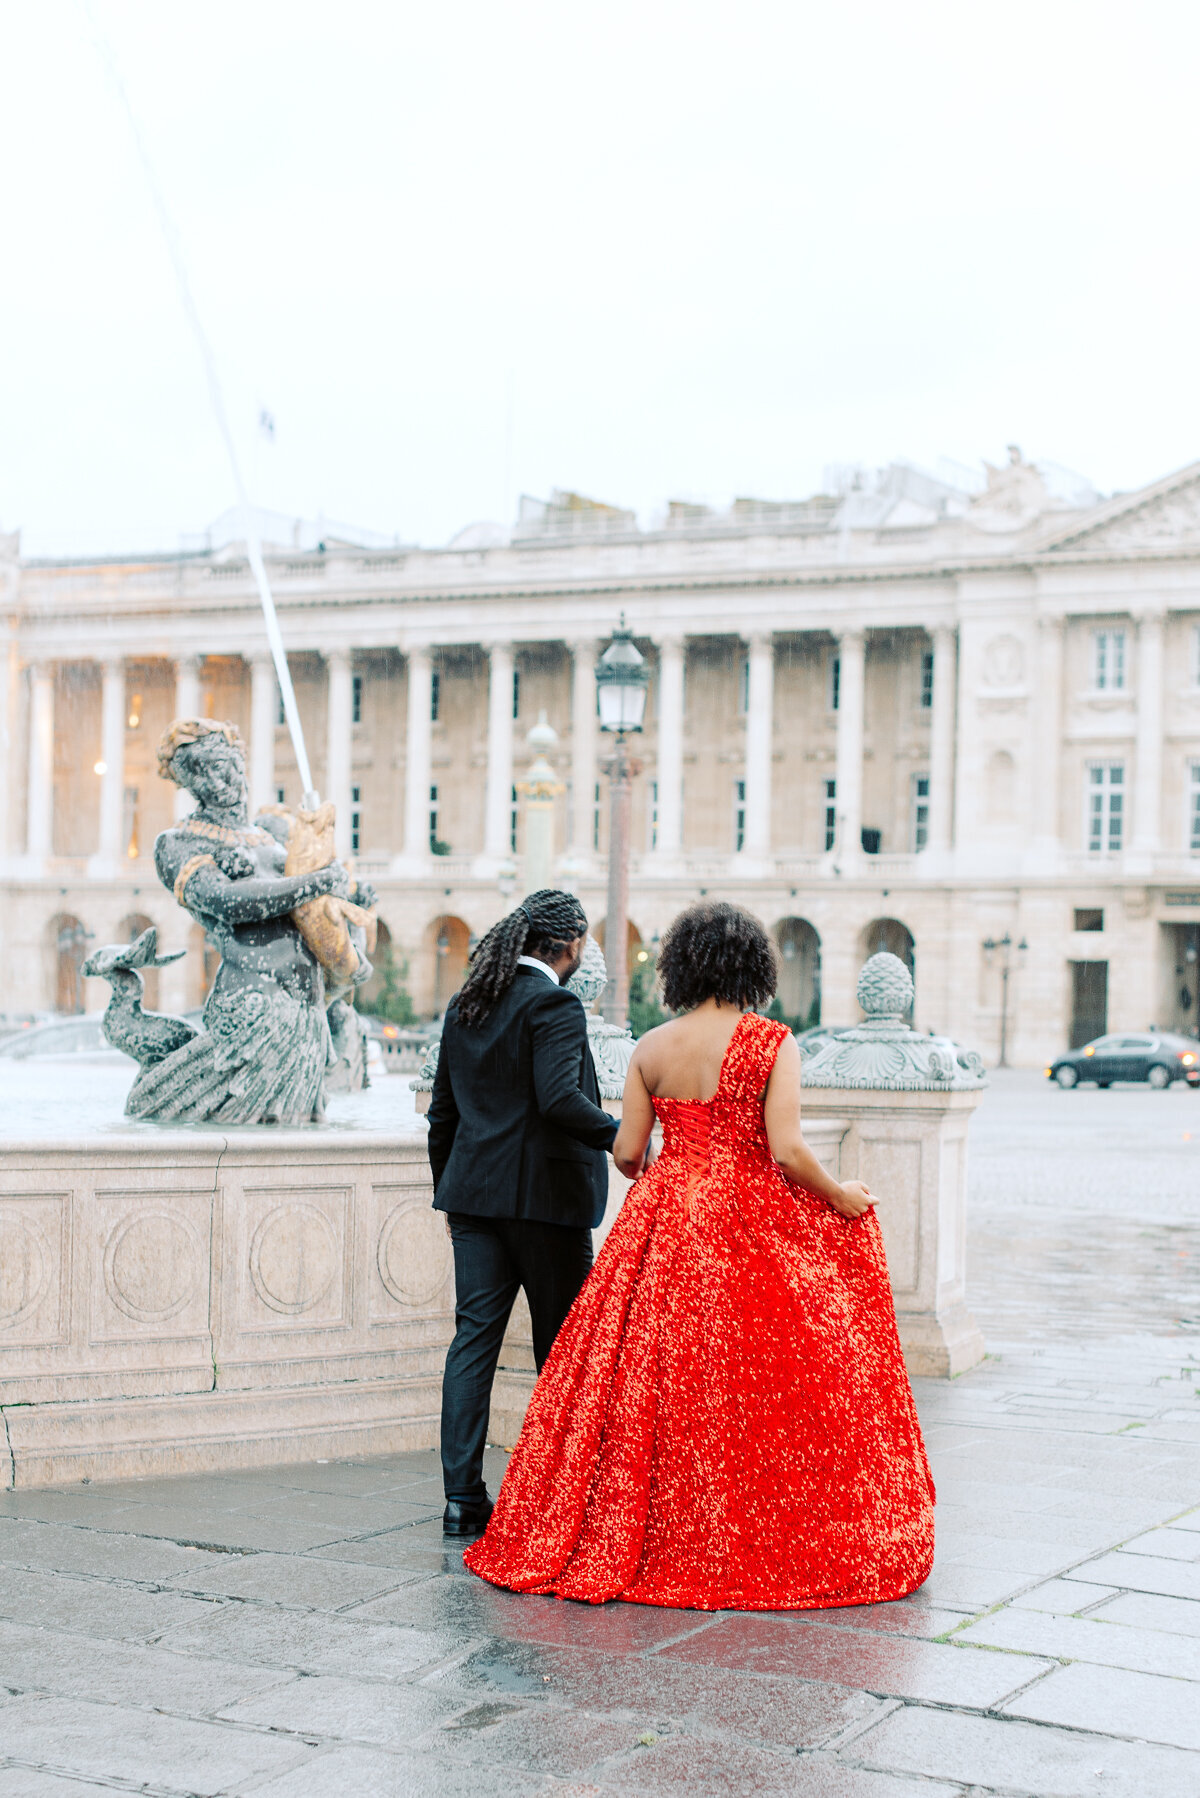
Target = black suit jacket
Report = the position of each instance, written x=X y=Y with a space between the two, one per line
x=515 y=1125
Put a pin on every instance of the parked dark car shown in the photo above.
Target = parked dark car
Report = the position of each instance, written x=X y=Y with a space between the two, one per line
x=1152 y=1056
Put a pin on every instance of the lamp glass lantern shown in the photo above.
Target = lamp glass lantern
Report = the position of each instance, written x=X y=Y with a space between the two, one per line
x=621 y=680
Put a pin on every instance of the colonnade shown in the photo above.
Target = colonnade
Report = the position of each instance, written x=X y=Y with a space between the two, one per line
x=413 y=853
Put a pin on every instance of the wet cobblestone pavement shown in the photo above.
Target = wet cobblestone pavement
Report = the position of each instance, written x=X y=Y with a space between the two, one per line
x=322 y=1642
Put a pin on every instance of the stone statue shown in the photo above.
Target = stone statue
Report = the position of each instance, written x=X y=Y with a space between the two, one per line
x=612 y=1047
x=265 y=1046
x=885 y=1053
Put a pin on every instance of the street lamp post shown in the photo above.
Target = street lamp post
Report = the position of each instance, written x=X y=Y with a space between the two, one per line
x=1005 y=946
x=621 y=677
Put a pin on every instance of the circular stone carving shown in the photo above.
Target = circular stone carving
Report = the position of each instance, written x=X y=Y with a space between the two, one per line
x=885 y=986
x=293 y=1258
x=24 y=1268
x=152 y=1265
x=413 y=1255
x=1003 y=662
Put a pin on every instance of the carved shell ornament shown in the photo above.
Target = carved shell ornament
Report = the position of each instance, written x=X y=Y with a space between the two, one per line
x=1003 y=662
x=885 y=1053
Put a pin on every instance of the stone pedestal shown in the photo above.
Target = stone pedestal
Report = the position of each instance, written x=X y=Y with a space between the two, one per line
x=911 y=1149
x=173 y=1301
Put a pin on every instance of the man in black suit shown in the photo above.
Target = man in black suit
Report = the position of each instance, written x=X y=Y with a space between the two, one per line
x=517 y=1143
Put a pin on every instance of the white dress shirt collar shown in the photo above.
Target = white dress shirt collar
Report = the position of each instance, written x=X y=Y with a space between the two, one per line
x=543 y=967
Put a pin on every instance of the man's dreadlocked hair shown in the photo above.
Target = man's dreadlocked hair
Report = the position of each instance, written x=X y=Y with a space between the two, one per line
x=542 y=925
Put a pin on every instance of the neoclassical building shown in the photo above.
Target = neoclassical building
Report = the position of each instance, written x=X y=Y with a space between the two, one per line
x=899 y=715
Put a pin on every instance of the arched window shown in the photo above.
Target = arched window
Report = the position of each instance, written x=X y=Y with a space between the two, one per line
x=799 y=949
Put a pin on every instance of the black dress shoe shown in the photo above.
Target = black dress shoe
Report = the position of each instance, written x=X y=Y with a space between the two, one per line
x=466 y=1519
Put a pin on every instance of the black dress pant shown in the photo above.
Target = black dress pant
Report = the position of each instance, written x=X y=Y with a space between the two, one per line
x=493 y=1258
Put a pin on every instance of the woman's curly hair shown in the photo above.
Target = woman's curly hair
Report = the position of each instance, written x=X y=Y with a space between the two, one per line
x=542 y=925
x=716 y=951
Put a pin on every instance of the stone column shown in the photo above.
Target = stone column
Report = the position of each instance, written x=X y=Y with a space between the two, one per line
x=9 y=669
x=339 y=735
x=1046 y=847
x=419 y=759
x=851 y=680
x=671 y=654
x=941 y=744
x=112 y=753
x=187 y=705
x=1145 y=838
x=583 y=748
x=264 y=711
x=497 y=811
x=760 y=702
x=39 y=775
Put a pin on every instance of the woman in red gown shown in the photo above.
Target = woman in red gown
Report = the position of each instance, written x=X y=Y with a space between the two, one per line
x=724 y=1422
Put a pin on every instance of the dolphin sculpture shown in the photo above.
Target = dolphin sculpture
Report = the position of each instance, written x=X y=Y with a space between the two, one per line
x=147 y=1036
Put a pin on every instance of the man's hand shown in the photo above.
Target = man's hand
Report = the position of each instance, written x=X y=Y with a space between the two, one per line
x=854 y=1199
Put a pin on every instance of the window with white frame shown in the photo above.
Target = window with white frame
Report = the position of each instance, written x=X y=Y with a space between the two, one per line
x=435 y=695
x=1108 y=661
x=516 y=692
x=356 y=698
x=434 y=839
x=926 y=680
x=280 y=712
x=1196 y=656
x=744 y=685
x=514 y=813
x=920 y=811
x=1194 y=809
x=739 y=814
x=1105 y=807
x=834 y=681
x=652 y=816
x=830 y=813
x=355 y=820
x=281 y=795
x=596 y=816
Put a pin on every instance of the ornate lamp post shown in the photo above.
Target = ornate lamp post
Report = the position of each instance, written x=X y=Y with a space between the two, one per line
x=1005 y=946
x=621 y=677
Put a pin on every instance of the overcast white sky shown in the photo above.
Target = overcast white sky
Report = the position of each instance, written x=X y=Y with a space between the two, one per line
x=644 y=249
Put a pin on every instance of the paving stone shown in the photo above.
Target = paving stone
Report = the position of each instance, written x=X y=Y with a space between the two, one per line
x=1062 y=1597
x=480 y=1609
x=384 y=1714
x=369 y=1773
x=295 y=1581
x=311 y=1642
x=104 y=1555
x=25 y=1782
x=719 y=1770
x=1105 y=1644
x=890 y=1666
x=661 y=1694
x=74 y=1666
x=1143 y=1573
x=141 y=1747
x=999 y=1755
x=1168 y=1544
x=906 y=1617
x=95 y=1607
x=402 y=1549
x=960 y=1583
x=1115 y=1702
x=1035 y=1560
x=333 y=1516
x=545 y=1739
x=1190 y=1522
x=227 y=1529
x=77 y=1505
x=1149 y=1610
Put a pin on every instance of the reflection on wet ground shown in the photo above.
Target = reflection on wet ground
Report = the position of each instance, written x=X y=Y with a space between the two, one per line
x=1085 y=1212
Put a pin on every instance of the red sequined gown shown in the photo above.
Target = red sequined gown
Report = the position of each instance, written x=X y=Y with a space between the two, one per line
x=724 y=1422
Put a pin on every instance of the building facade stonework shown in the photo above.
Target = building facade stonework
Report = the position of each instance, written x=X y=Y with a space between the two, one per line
x=901 y=718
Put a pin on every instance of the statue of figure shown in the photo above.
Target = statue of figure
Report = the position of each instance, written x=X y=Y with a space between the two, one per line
x=612 y=1047
x=263 y=1052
